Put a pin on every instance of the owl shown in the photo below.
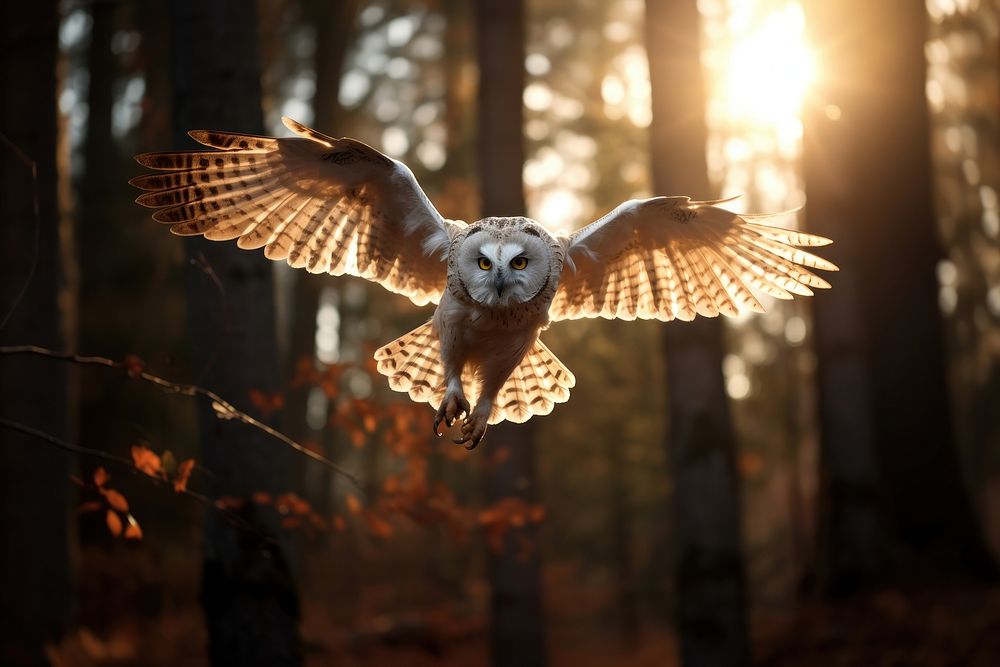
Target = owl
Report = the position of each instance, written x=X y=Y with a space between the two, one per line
x=339 y=206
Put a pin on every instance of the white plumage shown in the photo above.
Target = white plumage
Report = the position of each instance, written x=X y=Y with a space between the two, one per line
x=339 y=206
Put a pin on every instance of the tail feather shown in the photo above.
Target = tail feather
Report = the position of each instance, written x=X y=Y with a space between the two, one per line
x=535 y=386
x=412 y=363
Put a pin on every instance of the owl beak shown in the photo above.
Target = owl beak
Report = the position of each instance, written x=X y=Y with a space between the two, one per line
x=500 y=283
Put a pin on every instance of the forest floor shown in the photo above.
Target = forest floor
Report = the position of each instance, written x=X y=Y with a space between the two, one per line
x=138 y=626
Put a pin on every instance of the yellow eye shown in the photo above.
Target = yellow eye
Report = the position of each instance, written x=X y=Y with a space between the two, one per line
x=518 y=263
x=485 y=264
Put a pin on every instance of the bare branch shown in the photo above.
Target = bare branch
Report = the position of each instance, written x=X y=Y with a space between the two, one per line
x=33 y=167
x=231 y=516
x=134 y=368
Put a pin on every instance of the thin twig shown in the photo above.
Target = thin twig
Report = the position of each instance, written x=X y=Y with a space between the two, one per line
x=223 y=408
x=33 y=166
x=236 y=519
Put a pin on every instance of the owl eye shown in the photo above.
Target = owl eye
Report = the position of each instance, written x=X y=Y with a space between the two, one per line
x=485 y=264
x=518 y=263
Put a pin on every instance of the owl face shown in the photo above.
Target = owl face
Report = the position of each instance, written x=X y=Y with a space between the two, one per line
x=503 y=269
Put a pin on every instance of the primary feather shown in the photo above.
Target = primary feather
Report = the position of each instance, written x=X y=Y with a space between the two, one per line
x=327 y=205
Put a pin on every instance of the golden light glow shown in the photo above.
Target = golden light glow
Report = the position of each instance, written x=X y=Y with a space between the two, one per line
x=768 y=70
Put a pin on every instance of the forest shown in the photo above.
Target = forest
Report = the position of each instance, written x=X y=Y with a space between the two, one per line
x=201 y=464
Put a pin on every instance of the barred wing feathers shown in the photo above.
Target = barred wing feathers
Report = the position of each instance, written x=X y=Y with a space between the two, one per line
x=327 y=205
x=671 y=257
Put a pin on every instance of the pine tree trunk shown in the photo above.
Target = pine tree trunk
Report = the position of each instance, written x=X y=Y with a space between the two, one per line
x=885 y=405
x=516 y=632
x=248 y=591
x=711 y=615
x=35 y=491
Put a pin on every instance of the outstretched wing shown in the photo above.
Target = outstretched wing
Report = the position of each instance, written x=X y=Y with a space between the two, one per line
x=323 y=204
x=670 y=257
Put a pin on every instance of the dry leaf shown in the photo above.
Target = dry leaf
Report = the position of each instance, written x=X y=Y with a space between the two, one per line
x=146 y=461
x=184 y=469
x=132 y=530
x=116 y=500
x=114 y=523
x=101 y=476
x=353 y=504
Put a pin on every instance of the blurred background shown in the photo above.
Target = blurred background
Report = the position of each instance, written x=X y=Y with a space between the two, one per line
x=834 y=497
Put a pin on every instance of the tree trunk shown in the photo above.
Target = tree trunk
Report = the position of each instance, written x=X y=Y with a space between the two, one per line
x=248 y=592
x=516 y=632
x=34 y=479
x=885 y=406
x=711 y=599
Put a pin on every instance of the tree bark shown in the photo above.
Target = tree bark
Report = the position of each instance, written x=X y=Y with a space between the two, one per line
x=516 y=632
x=711 y=598
x=885 y=405
x=35 y=492
x=248 y=591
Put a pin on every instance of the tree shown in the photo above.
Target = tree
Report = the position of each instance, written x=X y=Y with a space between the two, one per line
x=248 y=592
x=710 y=581
x=34 y=484
x=516 y=633
x=884 y=404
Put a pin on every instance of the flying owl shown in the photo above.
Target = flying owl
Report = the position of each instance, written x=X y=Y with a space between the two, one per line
x=339 y=206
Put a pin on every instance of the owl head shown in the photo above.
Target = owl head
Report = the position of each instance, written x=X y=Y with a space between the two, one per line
x=504 y=261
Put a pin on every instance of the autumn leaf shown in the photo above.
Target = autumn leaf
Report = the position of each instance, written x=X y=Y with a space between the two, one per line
x=134 y=366
x=169 y=463
x=132 y=530
x=116 y=500
x=305 y=372
x=184 y=469
x=91 y=506
x=262 y=498
x=147 y=461
x=339 y=523
x=114 y=523
x=266 y=403
x=353 y=504
x=290 y=503
x=378 y=526
x=101 y=477
x=229 y=503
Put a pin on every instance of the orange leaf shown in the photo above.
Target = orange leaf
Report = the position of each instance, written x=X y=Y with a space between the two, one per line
x=536 y=514
x=184 y=469
x=353 y=504
x=132 y=530
x=358 y=439
x=146 y=460
x=339 y=523
x=266 y=402
x=114 y=523
x=116 y=500
x=134 y=365
x=101 y=476
x=262 y=497
x=378 y=526
x=229 y=503
x=92 y=506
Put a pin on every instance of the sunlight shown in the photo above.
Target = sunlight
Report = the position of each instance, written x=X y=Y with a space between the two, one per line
x=768 y=70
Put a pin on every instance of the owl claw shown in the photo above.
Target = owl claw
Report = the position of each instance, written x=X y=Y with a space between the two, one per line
x=451 y=408
x=473 y=431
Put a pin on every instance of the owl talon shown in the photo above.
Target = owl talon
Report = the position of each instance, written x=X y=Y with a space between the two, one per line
x=452 y=407
x=473 y=431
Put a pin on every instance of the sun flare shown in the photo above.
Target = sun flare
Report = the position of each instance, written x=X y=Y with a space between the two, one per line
x=768 y=69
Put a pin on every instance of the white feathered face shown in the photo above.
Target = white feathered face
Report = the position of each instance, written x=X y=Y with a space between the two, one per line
x=503 y=271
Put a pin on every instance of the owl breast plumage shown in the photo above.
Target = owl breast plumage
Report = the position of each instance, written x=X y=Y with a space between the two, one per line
x=339 y=206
